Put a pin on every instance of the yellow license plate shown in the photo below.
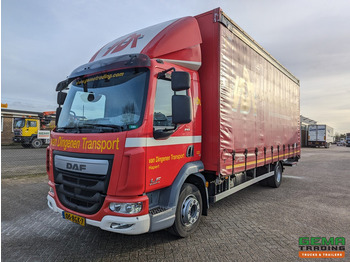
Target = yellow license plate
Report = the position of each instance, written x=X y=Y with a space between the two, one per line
x=74 y=218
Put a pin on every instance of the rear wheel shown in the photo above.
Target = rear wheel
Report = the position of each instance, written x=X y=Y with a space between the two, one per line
x=188 y=211
x=276 y=180
x=37 y=143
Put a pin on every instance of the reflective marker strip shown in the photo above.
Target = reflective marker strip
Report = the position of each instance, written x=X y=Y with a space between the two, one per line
x=151 y=142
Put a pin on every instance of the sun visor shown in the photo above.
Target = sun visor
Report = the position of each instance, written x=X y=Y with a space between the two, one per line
x=110 y=63
x=177 y=41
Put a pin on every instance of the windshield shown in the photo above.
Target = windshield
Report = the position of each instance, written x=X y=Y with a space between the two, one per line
x=108 y=102
x=19 y=123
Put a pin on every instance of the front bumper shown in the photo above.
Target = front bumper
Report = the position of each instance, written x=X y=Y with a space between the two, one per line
x=18 y=139
x=316 y=143
x=138 y=224
x=21 y=139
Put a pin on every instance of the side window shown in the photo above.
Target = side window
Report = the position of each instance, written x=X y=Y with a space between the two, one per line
x=162 y=115
x=31 y=124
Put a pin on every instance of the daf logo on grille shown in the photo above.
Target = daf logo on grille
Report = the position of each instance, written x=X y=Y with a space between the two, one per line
x=77 y=167
x=97 y=167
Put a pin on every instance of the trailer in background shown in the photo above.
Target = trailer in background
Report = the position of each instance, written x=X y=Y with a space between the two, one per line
x=347 y=139
x=320 y=135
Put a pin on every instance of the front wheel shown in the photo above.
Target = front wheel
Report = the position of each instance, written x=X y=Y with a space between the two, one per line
x=37 y=143
x=188 y=211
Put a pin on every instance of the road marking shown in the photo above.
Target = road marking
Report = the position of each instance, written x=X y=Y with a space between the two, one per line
x=296 y=177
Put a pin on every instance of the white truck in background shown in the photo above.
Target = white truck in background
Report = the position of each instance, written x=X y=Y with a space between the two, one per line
x=320 y=135
x=347 y=139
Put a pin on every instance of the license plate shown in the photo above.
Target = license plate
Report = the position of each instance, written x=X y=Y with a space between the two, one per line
x=74 y=218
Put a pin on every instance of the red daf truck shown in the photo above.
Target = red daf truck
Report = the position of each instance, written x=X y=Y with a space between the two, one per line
x=166 y=120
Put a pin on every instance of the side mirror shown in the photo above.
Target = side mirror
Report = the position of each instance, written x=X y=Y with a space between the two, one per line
x=182 y=109
x=61 y=97
x=64 y=84
x=58 y=112
x=180 y=81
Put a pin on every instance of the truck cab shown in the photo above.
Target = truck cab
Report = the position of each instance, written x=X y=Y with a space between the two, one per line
x=34 y=131
x=118 y=134
x=25 y=132
x=126 y=120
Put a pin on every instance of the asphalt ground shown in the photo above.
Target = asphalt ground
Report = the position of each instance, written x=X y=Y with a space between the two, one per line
x=256 y=224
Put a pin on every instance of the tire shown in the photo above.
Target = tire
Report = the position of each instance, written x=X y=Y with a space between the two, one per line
x=188 y=211
x=276 y=180
x=37 y=143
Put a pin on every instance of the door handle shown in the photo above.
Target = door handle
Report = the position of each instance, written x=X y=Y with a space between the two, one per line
x=189 y=151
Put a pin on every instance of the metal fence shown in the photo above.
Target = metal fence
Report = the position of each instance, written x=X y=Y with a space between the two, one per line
x=19 y=161
x=15 y=159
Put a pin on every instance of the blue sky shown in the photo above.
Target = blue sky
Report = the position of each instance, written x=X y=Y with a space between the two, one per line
x=42 y=41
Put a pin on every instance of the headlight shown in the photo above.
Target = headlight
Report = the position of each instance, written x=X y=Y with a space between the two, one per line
x=126 y=208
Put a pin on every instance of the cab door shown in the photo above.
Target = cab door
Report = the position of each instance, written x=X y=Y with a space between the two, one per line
x=171 y=146
x=31 y=127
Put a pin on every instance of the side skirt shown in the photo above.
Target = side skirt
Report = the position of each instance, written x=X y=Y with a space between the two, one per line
x=235 y=189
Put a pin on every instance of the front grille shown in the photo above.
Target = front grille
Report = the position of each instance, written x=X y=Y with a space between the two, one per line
x=82 y=192
x=17 y=132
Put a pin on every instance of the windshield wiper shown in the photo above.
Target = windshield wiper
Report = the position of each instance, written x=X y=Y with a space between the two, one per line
x=87 y=127
x=111 y=126
x=66 y=128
